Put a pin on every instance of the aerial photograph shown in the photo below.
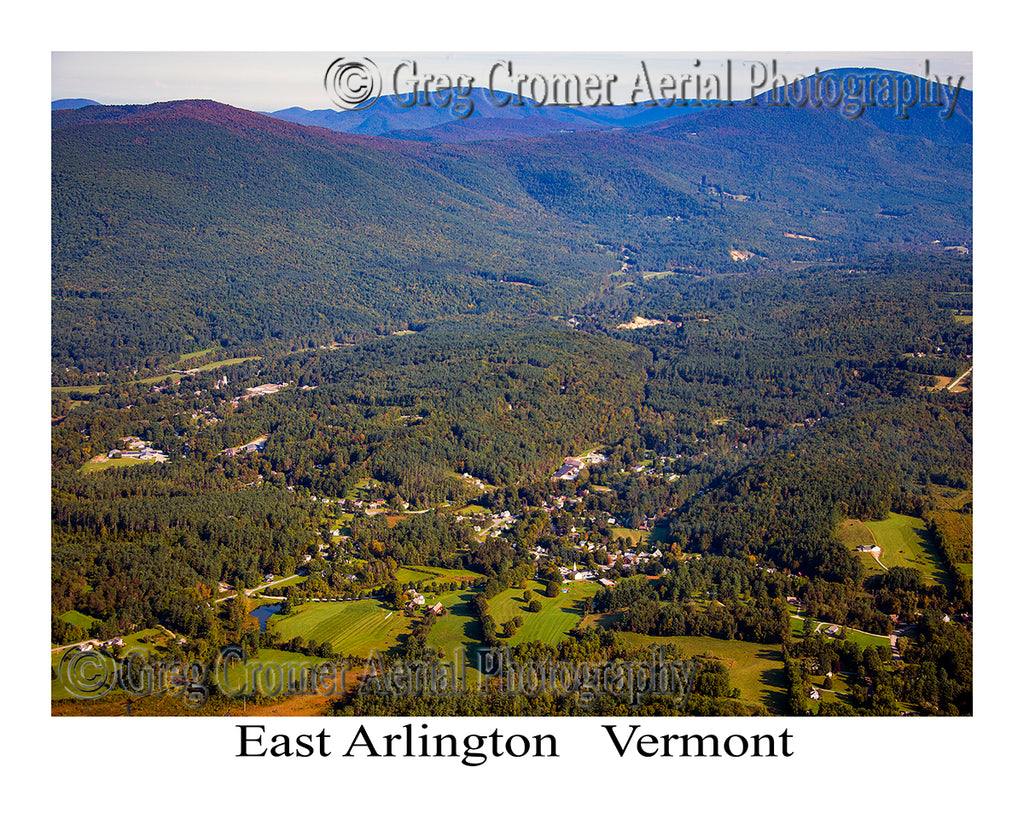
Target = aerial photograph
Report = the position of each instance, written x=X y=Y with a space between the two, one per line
x=517 y=384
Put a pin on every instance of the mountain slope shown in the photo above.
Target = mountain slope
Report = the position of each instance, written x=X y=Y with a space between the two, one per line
x=184 y=223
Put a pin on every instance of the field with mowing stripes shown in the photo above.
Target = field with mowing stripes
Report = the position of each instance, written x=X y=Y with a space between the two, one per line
x=355 y=628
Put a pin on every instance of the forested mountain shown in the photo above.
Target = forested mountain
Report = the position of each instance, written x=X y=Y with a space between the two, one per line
x=240 y=229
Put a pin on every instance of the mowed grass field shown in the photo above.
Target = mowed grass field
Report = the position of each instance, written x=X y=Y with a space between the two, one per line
x=353 y=629
x=905 y=542
x=757 y=670
x=458 y=630
x=76 y=618
x=558 y=615
x=456 y=635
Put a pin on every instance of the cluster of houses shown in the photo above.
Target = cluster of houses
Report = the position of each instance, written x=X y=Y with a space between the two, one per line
x=136 y=448
x=570 y=468
x=414 y=599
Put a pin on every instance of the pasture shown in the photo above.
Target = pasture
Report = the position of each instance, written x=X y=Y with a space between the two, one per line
x=431 y=574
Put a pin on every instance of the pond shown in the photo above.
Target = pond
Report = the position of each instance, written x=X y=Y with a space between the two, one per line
x=264 y=613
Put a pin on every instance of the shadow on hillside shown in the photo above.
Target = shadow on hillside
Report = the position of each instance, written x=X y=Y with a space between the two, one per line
x=773 y=682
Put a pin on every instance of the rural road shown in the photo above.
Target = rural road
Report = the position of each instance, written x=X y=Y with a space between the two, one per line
x=258 y=588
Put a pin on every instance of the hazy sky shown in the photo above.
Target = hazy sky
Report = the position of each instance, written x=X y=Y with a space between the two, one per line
x=268 y=81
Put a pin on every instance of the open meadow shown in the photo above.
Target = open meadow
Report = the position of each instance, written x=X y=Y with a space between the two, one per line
x=905 y=542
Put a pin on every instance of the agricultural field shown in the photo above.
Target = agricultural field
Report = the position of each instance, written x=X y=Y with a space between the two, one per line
x=905 y=542
x=353 y=629
x=756 y=669
x=954 y=522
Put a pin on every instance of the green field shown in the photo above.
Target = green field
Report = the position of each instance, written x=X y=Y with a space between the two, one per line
x=407 y=575
x=458 y=630
x=756 y=669
x=905 y=542
x=185 y=357
x=637 y=536
x=858 y=637
x=76 y=618
x=352 y=629
x=113 y=463
x=473 y=509
x=432 y=573
x=147 y=641
x=558 y=615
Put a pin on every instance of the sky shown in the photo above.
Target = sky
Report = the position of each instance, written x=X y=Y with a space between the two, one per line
x=270 y=81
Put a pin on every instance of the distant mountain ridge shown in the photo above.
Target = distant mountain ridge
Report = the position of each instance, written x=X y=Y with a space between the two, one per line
x=60 y=105
x=395 y=118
